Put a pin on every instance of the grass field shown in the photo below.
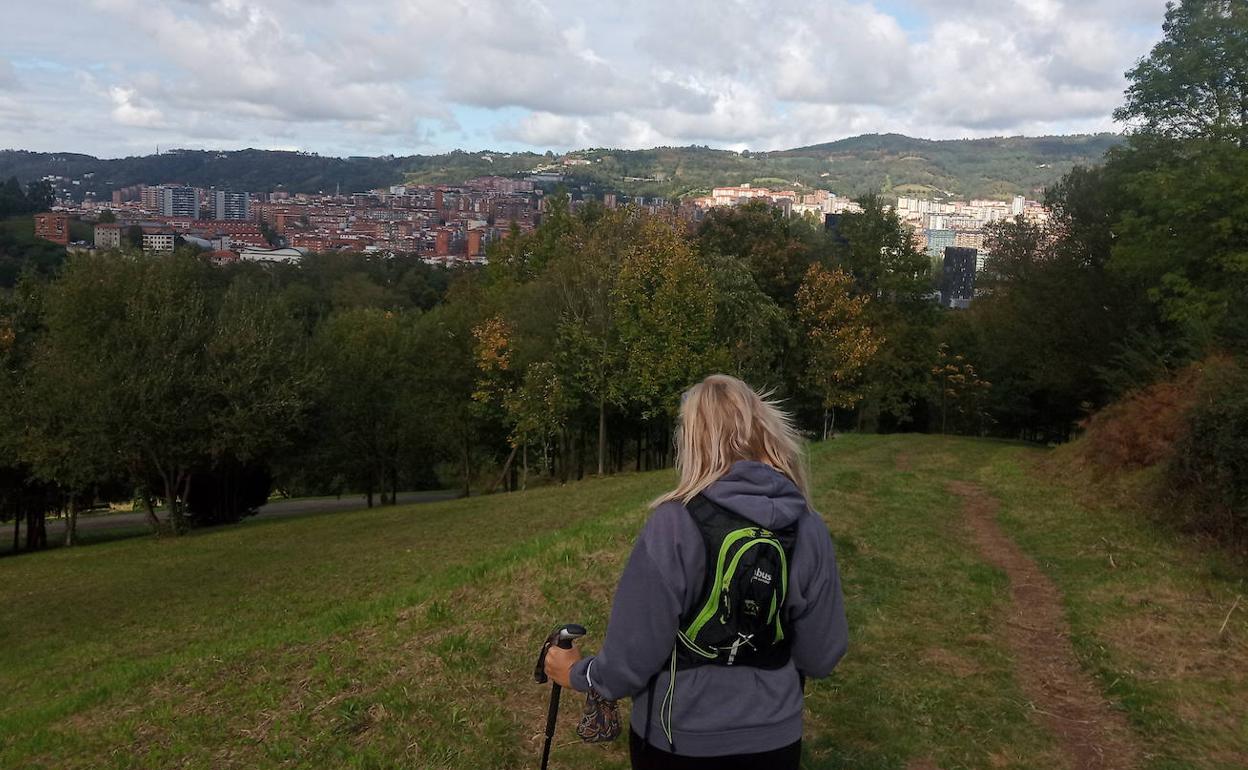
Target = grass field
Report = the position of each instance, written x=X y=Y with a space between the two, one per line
x=404 y=637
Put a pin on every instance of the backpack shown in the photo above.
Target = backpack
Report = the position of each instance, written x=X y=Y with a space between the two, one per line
x=739 y=620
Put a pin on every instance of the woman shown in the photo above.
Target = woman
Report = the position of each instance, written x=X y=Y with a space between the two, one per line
x=717 y=704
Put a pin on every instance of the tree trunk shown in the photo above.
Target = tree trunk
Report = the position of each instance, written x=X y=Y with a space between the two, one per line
x=825 y=423
x=565 y=455
x=467 y=468
x=394 y=485
x=17 y=531
x=602 y=435
x=502 y=476
x=524 y=458
x=71 y=521
x=36 y=529
x=184 y=503
x=171 y=502
x=150 y=510
x=580 y=453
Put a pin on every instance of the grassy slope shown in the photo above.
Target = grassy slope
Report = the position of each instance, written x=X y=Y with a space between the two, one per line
x=359 y=640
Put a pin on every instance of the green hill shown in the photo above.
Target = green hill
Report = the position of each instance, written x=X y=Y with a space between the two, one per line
x=405 y=636
x=874 y=163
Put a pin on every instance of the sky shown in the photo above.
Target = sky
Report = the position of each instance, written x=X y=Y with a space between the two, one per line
x=374 y=77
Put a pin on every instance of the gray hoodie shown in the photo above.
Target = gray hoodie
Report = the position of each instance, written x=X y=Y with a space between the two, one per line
x=719 y=710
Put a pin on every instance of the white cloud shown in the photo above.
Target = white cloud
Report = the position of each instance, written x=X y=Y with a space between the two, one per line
x=130 y=109
x=421 y=75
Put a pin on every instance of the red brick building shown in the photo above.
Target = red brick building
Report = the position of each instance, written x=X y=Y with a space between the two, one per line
x=52 y=226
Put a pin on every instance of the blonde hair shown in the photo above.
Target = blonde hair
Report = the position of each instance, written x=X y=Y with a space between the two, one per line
x=723 y=421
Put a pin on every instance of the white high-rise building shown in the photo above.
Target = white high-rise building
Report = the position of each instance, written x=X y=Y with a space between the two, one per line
x=232 y=205
x=180 y=202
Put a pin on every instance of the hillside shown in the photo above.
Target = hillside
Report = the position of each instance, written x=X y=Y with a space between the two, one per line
x=405 y=636
x=875 y=163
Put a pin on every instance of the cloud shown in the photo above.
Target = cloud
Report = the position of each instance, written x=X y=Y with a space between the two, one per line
x=398 y=75
x=130 y=109
x=8 y=76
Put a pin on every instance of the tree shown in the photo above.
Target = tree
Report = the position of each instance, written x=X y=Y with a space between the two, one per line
x=840 y=341
x=878 y=250
x=157 y=367
x=23 y=497
x=107 y=217
x=585 y=271
x=1194 y=83
x=12 y=199
x=262 y=385
x=755 y=331
x=777 y=248
x=961 y=390
x=39 y=195
x=665 y=312
x=368 y=420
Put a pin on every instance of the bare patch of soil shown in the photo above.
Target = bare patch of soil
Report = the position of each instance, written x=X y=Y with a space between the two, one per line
x=904 y=461
x=1090 y=733
x=950 y=662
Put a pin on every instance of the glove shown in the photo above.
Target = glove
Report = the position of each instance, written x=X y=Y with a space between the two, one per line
x=600 y=720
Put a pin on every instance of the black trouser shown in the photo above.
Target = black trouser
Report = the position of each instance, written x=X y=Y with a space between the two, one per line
x=647 y=757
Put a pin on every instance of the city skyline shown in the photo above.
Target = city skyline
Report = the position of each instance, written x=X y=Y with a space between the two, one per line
x=119 y=77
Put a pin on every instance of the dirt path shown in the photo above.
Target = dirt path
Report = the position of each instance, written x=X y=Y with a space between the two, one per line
x=1089 y=731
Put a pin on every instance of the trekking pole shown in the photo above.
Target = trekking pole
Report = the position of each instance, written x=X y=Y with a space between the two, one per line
x=560 y=637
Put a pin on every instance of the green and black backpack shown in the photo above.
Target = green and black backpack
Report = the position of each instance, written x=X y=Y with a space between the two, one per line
x=739 y=619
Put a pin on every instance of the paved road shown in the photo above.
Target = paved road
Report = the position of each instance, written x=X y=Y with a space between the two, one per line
x=102 y=522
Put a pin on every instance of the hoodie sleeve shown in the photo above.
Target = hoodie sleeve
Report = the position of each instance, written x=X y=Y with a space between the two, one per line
x=659 y=581
x=820 y=631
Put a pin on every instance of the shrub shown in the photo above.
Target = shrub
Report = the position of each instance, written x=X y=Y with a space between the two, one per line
x=1141 y=429
x=1208 y=471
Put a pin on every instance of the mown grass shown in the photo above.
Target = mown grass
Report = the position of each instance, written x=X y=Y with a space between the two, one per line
x=405 y=637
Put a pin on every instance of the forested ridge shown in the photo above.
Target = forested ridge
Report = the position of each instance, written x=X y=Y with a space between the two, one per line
x=887 y=163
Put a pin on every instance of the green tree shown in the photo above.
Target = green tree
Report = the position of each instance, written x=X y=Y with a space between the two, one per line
x=665 y=312
x=368 y=420
x=39 y=195
x=1194 y=83
x=588 y=346
x=878 y=250
x=777 y=248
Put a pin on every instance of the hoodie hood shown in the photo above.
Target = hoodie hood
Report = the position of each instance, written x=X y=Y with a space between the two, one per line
x=758 y=492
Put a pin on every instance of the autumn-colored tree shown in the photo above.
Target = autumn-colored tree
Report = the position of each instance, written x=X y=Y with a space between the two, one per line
x=840 y=340
x=962 y=390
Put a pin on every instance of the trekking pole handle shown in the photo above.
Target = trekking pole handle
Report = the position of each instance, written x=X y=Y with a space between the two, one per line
x=561 y=637
x=569 y=633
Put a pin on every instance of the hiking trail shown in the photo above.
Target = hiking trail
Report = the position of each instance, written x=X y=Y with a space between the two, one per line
x=1091 y=734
